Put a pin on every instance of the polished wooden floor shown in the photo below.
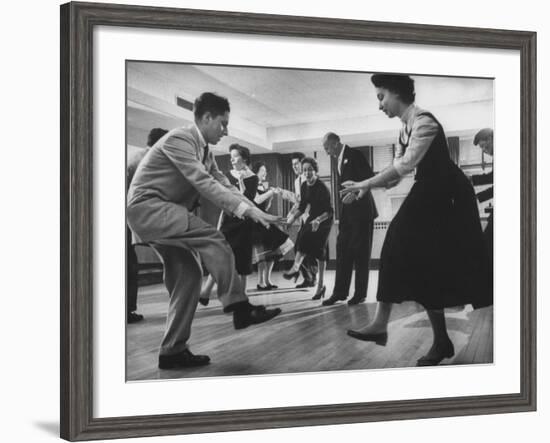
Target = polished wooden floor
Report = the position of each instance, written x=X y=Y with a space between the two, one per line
x=306 y=337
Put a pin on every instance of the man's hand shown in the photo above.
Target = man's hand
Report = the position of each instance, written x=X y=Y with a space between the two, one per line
x=349 y=198
x=289 y=220
x=287 y=195
x=261 y=217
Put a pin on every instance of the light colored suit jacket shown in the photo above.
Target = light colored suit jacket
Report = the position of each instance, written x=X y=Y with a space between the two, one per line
x=168 y=183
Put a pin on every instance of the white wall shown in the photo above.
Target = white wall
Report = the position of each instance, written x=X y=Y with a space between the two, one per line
x=30 y=215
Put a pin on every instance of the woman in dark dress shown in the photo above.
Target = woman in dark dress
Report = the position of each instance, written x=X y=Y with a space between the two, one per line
x=268 y=244
x=433 y=252
x=313 y=236
x=237 y=230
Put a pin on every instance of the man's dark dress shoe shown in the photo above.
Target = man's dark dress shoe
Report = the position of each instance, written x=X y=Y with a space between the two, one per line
x=262 y=288
x=355 y=300
x=183 y=359
x=271 y=286
x=333 y=299
x=305 y=284
x=253 y=315
x=380 y=339
x=133 y=317
x=434 y=361
x=204 y=301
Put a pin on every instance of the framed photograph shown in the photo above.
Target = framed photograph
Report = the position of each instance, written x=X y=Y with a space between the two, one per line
x=318 y=87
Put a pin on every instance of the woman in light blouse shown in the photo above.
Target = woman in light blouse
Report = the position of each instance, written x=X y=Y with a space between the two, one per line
x=313 y=236
x=433 y=251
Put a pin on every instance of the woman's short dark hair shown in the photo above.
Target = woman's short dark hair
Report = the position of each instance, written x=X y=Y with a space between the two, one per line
x=257 y=165
x=312 y=162
x=402 y=85
x=298 y=155
x=155 y=135
x=243 y=151
x=210 y=102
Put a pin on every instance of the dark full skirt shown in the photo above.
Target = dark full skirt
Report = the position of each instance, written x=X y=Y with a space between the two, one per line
x=237 y=233
x=269 y=244
x=314 y=244
x=434 y=252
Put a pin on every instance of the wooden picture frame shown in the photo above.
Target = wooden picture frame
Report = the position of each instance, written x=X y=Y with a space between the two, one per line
x=77 y=217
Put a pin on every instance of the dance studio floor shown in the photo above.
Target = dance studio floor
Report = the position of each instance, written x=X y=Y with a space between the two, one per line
x=306 y=337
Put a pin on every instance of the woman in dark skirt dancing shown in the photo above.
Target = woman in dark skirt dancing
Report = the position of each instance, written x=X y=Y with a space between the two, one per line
x=433 y=252
x=237 y=230
x=313 y=236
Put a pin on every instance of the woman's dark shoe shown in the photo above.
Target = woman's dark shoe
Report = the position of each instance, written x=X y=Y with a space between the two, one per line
x=262 y=288
x=291 y=275
x=271 y=286
x=380 y=338
x=320 y=294
x=204 y=301
x=435 y=359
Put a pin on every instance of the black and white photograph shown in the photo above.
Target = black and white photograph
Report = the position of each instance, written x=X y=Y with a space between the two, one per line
x=300 y=221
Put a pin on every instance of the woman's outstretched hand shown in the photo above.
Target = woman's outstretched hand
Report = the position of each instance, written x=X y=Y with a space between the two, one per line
x=351 y=187
x=315 y=225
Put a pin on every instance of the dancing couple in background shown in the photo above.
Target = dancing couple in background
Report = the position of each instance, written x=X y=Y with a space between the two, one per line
x=251 y=243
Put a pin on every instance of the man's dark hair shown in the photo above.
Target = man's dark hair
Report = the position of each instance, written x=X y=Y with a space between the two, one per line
x=210 y=102
x=484 y=134
x=402 y=85
x=154 y=135
x=298 y=155
x=257 y=165
x=243 y=151
x=312 y=162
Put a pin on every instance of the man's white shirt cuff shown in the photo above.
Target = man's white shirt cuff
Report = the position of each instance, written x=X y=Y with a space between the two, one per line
x=241 y=209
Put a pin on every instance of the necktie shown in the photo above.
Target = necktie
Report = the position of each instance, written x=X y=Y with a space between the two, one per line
x=205 y=154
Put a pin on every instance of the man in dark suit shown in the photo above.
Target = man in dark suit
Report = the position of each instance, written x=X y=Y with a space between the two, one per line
x=484 y=139
x=354 y=242
x=165 y=189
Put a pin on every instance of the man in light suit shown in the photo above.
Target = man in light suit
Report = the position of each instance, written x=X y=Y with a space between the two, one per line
x=355 y=228
x=165 y=189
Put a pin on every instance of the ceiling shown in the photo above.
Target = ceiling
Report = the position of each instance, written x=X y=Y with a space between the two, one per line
x=286 y=105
